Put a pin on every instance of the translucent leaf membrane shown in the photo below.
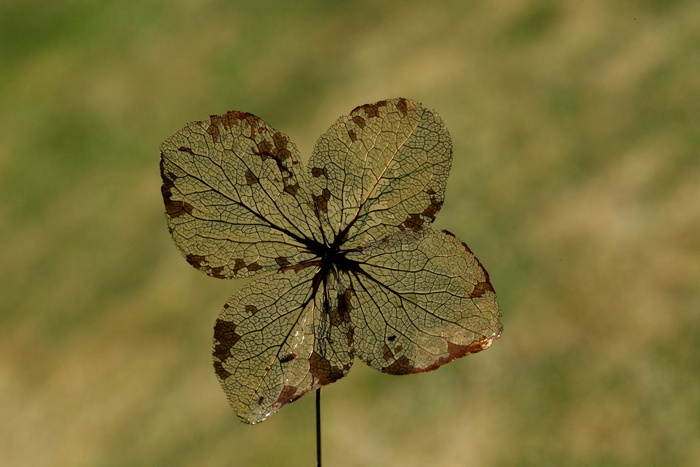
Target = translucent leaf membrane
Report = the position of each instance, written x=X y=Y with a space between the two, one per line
x=279 y=338
x=422 y=300
x=353 y=267
x=235 y=196
x=380 y=170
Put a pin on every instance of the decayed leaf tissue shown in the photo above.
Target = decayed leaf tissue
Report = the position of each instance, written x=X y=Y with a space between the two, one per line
x=348 y=263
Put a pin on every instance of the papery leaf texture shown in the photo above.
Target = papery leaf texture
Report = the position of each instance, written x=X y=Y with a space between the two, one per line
x=348 y=263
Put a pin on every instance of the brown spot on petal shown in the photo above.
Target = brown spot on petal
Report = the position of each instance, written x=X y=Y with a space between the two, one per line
x=341 y=313
x=282 y=261
x=388 y=354
x=225 y=337
x=280 y=141
x=292 y=189
x=413 y=222
x=321 y=201
x=288 y=358
x=480 y=289
x=254 y=266
x=174 y=208
x=213 y=131
x=371 y=110
x=359 y=121
x=402 y=366
x=250 y=177
x=352 y=135
x=238 y=264
x=433 y=208
x=220 y=371
x=316 y=172
x=455 y=351
x=217 y=272
x=287 y=395
x=350 y=335
x=229 y=120
x=195 y=260
x=322 y=370
x=264 y=149
x=402 y=106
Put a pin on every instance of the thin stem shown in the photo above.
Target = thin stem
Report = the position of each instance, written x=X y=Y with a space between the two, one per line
x=318 y=427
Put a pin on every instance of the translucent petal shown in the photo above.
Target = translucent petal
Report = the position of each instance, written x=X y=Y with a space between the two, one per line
x=380 y=170
x=235 y=196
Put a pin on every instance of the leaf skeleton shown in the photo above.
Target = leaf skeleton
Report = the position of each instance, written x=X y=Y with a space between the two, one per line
x=348 y=264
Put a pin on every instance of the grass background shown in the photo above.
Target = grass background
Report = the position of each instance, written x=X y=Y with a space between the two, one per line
x=576 y=180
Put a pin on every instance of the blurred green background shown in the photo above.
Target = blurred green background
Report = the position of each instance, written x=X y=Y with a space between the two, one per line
x=576 y=181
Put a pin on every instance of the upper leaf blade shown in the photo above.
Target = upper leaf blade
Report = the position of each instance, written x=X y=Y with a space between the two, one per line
x=235 y=196
x=380 y=170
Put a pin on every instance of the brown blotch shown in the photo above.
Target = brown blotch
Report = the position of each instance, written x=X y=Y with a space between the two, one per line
x=260 y=400
x=282 y=261
x=175 y=208
x=480 y=289
x=238 y=264
x=280 y=141
x=233 y=117
x=401 y=366
x=316 y=172
x=213 y=131
x=288 y=358
x=352 y=135
x=402 y=106
x=288 y=395
x=434 y=207
x=283 y=154
x=250 y=177
x=306 y=264
x=292 y=189
x=371 y=110
x=254 y=266
x=341 y=313
x=218 y=272
x=172 y=207
x=455 y=351
x=321 y=201
x=322 y=370
x=413 y=222
x=220 y=371
x=196 y=260
x=229 y=120
x=388 y=354
x=359 y=121
x=252 y=309
x=264 y=149
x=187 y=150
x=225 y=337
x=276 y=150
x=350 y=336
